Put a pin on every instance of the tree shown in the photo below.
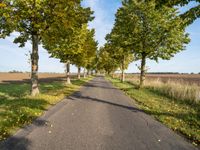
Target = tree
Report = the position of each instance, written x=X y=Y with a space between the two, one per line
x=151 y=33
x=190 y=15
x=106 y=62
x=34 y=18
x=79 y=49
x=86 y=58
x=112 y=58
x=118 y=48
x=68 y=46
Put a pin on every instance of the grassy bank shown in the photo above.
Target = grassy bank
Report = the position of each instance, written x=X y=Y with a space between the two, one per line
x=180 y=115
x=17 y=108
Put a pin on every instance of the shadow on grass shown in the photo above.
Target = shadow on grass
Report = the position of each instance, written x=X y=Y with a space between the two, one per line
x=41 y=80
x=17 y=109
x=79 y=82
x=15 y=113
x=62 y=88
x=21 y=90
x=14 y=90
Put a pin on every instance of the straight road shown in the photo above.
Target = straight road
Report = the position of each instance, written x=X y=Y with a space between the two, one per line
x=99 y=117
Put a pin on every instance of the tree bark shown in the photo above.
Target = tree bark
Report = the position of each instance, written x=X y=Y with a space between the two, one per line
x=88 y=72
x=123 y=76
x=79 y=73
x=142 y=75
x=84 y=73
x=123 y=68
x=113 y=75
x=34 y=66
x=68 y=72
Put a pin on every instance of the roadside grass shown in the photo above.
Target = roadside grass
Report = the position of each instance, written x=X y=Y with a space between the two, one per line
x=175 y=89
x=180 y=115
x=18 y=109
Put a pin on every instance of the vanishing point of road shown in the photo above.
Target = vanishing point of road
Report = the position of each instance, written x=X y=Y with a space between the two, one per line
x=99 y=117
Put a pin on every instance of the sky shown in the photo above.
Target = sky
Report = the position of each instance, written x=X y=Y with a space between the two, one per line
x=14 y=58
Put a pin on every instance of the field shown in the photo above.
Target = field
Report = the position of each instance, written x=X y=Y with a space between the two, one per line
x=25 y=77
x=186 y=78
x=178 y=86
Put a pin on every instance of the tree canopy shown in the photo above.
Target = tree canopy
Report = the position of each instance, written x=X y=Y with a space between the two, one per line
x=147 y=32
x=41 y=22
x=190 y=15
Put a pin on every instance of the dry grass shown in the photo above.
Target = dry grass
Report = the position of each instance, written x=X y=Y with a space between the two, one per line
x=177 y=89
x=186 y=78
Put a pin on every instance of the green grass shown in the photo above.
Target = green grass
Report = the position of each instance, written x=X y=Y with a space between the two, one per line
x=18 y=109
x=181 y=116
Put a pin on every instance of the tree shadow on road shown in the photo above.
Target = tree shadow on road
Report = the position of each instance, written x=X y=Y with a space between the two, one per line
x=19 y=141
x=78 y=96
x=15 y=143
x=98 y=86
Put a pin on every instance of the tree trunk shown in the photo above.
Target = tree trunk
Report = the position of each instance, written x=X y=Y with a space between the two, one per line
x=79 y=73
x=84 y=73
x=142 y=75
x=88 y=72
x=123 y=76
x=123 y=68
x=113 y=75
x=68 y=72
x=34 y=66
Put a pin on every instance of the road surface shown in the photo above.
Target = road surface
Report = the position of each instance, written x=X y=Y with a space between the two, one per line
x=99 y=117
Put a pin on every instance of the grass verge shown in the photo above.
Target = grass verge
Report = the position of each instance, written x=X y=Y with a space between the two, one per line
x=18 y=109
x=181 y=116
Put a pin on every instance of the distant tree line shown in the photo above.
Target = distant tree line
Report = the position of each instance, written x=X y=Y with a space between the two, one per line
x=15 y=71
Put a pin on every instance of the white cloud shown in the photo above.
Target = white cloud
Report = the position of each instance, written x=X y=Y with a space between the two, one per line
x=102 y=23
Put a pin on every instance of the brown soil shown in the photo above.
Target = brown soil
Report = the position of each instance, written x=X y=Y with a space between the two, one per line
x=25 y=77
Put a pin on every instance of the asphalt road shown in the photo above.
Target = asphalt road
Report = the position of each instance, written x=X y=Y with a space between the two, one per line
x=99 y=117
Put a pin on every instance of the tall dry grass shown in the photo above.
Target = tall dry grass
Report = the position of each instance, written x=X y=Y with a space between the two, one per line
x=176 y=89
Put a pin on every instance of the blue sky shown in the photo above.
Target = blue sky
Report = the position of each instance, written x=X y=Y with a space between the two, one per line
x=14 y=58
